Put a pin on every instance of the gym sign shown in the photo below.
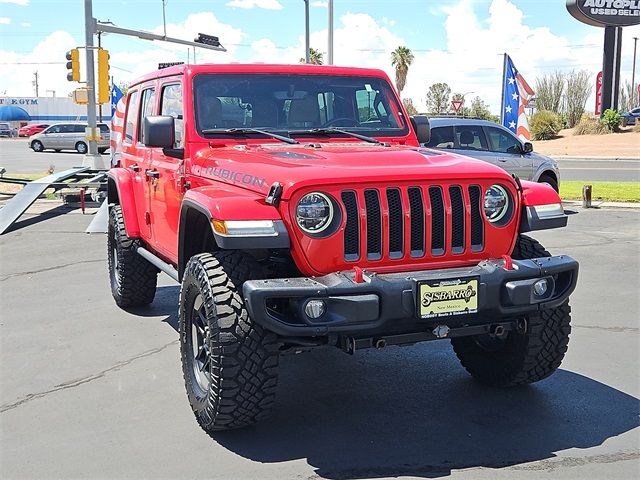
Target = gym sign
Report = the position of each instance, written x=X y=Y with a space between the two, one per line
x=606 y=13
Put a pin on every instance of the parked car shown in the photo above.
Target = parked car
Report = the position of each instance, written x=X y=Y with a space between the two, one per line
x=32 y=129
x=495 y=144
x=630 y=117
x=68 y=136
x=5 y=130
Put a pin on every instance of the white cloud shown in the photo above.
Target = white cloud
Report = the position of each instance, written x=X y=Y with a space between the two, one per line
x=25 y=24
x=265 y=4
x=16 y=2
x=320 y=4
x=5 y=20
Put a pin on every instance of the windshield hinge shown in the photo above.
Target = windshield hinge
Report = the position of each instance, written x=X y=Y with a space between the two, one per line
x=274 y=195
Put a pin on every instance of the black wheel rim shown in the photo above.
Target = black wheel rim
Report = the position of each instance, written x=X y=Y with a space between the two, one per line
x=200 y=344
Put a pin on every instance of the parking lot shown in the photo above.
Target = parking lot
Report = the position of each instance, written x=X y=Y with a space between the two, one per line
x=92 y=391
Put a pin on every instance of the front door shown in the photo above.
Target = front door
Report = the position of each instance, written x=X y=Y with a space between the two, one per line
x=508 y=153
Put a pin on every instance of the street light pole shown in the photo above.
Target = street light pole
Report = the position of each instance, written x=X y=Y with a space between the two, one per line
x=307 y=56
x=94 y=160
x=330 y=52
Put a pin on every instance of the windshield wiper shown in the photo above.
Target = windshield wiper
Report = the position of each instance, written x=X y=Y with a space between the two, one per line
x=245 y=131
x=329 y=131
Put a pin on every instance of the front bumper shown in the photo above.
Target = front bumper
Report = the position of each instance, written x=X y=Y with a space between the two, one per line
x=388 y=302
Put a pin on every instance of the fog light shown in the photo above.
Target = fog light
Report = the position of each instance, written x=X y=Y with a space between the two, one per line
x=541 y=287
x=315 y=308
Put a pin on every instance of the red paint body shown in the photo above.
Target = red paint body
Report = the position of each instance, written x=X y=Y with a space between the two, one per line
x=230 y=178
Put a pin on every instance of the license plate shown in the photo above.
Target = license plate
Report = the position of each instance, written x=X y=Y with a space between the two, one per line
x=444 y=298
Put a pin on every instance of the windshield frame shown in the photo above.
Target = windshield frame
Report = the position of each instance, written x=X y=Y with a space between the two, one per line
x=387 y=95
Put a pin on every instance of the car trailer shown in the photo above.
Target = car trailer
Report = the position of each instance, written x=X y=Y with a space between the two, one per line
x=81 y=178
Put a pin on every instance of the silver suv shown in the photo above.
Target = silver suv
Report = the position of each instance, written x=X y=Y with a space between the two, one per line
x=68 y=136
x=495 y=144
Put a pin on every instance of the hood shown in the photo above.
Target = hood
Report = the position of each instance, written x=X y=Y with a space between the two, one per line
x=257 y=167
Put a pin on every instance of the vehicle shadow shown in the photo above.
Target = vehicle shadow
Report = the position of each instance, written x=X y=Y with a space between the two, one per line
x=165 y=304
x=413 y=411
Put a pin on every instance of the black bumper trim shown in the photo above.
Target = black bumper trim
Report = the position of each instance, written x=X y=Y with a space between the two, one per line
x=383 y=301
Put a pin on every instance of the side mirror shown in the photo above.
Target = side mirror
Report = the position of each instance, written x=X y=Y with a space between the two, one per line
x=420 y=124
x=527 y=148
x=159 y=131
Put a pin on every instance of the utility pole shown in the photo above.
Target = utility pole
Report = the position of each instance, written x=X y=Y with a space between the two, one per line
x=330 y=52
x=35 y=82
x=634 y=88
x=95 y=161
x=307 y=58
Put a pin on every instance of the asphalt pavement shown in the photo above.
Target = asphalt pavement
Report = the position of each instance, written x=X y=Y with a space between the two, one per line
x=92 y=391
x=16 y=157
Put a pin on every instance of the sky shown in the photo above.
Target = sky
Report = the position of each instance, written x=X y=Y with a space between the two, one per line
x=459 y=42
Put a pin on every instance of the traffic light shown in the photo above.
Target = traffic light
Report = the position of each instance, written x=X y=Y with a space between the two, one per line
x=104 y=91
x=73 y=64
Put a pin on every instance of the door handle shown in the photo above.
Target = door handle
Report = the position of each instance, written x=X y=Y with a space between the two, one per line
x=134 y=167
x=152 y=174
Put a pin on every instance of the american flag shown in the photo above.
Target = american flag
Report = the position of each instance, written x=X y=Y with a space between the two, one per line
x=117 y=124
x=517 y=94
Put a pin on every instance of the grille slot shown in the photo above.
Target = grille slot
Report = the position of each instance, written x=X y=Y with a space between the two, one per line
x=374 y=224
x=352 y=227
x=457 y=219
x=396 y=237
x=477 y=225
x=417 y=222
x=438 y=225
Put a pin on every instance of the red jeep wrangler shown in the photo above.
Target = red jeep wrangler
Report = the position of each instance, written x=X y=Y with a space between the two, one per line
x=297 y=208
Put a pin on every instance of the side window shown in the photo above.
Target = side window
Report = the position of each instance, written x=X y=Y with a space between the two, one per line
x=103 y=128
x=132 y=116
x=502 y=141
x=66 y=128
x=146 y=109
x=171 y=104
x=471 y=138
x=442 y=137
x=79 y=128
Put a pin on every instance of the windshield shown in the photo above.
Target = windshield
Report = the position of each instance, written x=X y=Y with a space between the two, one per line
x=290 y=103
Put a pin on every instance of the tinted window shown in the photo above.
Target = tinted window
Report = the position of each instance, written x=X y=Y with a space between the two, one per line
x=53 y=129
x=79 y=128
x=171 y=104
x=365 y=105
x=103 y=128
x=148 y=102
x=502 y=141
x=471 y=138
x=442 y=137
x=132 y=116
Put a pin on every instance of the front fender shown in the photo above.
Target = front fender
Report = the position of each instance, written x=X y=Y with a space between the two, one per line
x=541 y=208
x=120 y=186
x=230 y=203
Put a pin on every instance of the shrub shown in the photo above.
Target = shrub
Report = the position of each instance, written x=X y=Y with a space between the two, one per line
x=589 y=125
x=611 y=119
x=545 y=125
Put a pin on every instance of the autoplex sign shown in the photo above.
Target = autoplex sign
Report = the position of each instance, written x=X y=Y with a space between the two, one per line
x=606 y=13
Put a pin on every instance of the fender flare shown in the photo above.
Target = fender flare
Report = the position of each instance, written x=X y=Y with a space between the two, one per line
x=228 y=203
x=120 y=185
x=541 y=208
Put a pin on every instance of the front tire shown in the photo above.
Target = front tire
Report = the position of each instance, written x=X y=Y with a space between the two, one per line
x=229 y=363
x=133 y=279
x=37 y=146
x=519 y=358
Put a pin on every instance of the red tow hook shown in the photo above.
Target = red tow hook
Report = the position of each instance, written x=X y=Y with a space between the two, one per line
x=508 y=262
x=358 y=275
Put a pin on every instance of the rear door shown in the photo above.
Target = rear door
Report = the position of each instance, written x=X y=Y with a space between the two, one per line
x=508 y=152
x=166 y=196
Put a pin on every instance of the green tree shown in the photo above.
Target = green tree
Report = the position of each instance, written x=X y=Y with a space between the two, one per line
x=438 y=98
x=409 y=106
x=549 y=90
x=401 y=60
x=480 y=109
x=579 y=86
x=315 y=57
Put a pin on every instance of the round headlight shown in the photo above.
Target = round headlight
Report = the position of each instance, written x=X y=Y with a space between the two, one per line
x=314 y=212
x=496 y=203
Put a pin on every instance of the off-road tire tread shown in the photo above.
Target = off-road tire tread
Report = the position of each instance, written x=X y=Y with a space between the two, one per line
x=244 y=363
x=533 y=356
x=138 y=278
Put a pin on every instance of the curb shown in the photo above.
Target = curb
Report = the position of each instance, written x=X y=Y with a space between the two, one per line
x=596 y=204
x=575 y=158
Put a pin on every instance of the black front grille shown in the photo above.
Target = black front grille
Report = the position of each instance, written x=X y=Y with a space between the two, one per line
x=385 y=233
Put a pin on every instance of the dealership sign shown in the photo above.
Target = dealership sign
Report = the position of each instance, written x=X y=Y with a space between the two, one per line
x=606 y=13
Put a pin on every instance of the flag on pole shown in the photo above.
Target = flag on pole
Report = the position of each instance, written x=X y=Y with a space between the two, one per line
x=517 y=94
x=116 y=95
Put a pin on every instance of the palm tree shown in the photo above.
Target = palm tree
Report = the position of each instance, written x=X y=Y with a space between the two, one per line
x=315 y=57
x=401 y=59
